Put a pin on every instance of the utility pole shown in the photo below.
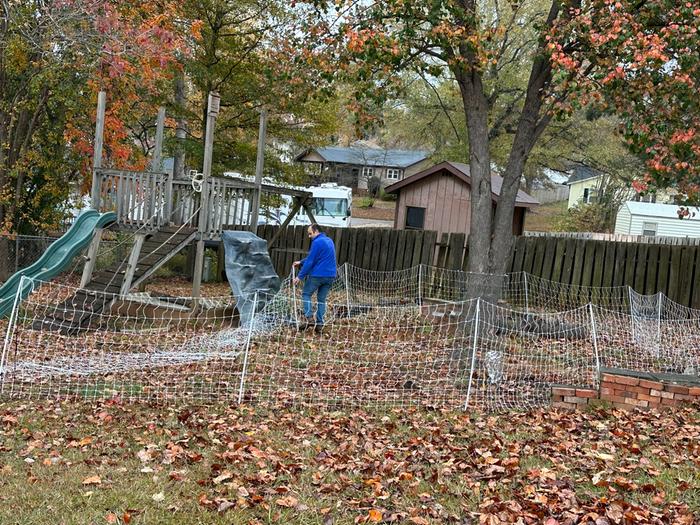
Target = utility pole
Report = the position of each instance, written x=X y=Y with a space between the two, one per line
x=203 y=224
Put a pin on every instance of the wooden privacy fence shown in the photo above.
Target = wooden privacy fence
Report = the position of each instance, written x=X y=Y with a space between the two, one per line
x=373 y=248
x=648 y=268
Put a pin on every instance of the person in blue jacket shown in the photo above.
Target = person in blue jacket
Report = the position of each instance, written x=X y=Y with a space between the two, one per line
x=318 y=271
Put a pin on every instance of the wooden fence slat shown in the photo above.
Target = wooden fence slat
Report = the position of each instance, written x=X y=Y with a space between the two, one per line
x=540 y=246
x=548 y=261
x=529 y=255
x=456 y=248
x=675 y=270
x=640 y=269
x=568 y=263
x=695 y=297
x=408 y=249
x=687 y=258
x=663 y=268
x=428 y=250
x=650 y=286
x=588 y=264
x=518 y=255
x=579 y=259
x=417 y=248
x=609 y=265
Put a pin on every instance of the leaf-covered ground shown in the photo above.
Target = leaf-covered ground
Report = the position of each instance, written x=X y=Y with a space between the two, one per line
x=79 y=463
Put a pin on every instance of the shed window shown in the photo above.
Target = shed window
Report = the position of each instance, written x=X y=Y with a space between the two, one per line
x=367 y=172
x=415 y=218
x=393 y=173
x=649 y=229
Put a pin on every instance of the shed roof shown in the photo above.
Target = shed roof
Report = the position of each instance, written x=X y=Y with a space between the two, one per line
x=666 y=211
x=460 y=170
x=582 y=172
x=392 y=158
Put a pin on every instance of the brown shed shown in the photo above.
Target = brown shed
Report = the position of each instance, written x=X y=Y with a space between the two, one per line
x=439 y=198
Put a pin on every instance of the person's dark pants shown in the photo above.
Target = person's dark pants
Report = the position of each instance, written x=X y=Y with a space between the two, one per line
x=322 y=285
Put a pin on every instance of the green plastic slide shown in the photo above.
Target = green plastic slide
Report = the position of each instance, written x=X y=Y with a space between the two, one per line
x=56 y=258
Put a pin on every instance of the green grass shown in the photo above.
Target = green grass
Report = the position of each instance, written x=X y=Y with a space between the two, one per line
x=181 y=464
x=544 y=218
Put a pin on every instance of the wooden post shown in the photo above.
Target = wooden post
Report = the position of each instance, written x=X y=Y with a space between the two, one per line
x=308 y=212
x=131 y=265
x=157 y=167
x=259 y=164
x=295 y=209
x=91 y=258
x=97 y=154
x=212 y=112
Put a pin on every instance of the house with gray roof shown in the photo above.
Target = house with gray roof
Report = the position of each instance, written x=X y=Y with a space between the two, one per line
x=354 y=166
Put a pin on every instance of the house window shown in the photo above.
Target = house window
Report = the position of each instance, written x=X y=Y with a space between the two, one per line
x=589 y=195
x=649 y=229
x=415 y=218
x=367 y=173
x=393 y=173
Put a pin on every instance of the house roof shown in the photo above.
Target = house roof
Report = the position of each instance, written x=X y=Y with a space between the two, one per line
x=666 y=211
x=523 y=200
x=582 y=172
x=393 y=158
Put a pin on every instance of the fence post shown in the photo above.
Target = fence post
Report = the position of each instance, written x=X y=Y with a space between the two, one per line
x=658 y=324
x=473 y=361
x=527 y=298
x=420 y=284
x=247 y=349
x=10 y=330
x=347 y=288
x=629 y=295
x=294 y=298
x=594 y=333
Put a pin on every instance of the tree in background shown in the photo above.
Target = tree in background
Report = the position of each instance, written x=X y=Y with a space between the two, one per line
x=248 y=53
x=483 y=46
x=641 y=60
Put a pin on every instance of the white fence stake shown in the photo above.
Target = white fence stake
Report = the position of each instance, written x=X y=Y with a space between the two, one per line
x=347 y=288
x=658 y=325
x=247 y=349
x=595 y=343
x=10 y=331
x=473 y=362
x=420 y=284
x=527 y=299
x=294 y=298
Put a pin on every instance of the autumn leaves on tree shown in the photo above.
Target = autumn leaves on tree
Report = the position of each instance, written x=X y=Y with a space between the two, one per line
x=519 y=69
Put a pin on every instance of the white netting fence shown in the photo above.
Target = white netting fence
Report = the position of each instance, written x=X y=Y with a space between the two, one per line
x=421 y=336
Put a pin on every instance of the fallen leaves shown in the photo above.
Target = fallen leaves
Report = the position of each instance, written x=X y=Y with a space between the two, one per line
x=399 y=466
x=92 y=480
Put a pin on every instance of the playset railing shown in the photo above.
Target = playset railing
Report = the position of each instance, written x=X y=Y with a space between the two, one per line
x=146 y=200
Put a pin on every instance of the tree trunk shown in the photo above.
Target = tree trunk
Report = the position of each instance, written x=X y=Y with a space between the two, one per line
x=530 y=127
x=476 y=113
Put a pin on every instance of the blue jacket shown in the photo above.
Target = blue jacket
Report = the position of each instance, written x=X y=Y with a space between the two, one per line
x=321 y=259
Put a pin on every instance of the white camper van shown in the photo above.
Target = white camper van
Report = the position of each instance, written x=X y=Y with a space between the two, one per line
x=331 y=205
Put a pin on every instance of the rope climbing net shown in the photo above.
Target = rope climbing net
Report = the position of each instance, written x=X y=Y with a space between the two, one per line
x=421 y=336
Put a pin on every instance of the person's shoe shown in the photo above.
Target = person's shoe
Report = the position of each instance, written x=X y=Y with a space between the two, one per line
x=306 y=322
x=318 y=329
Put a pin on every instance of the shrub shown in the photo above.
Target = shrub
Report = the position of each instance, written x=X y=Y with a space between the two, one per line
x=365 y=202
x=383 y=195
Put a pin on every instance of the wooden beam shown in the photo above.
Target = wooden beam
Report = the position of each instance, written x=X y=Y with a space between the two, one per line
x=308 y=211
x=292 y=214
x=91 y=258
x=259 y=164
x=133 y=262
x=97 y=155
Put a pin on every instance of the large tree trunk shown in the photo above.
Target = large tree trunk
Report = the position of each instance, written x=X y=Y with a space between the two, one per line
x=530 y=126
